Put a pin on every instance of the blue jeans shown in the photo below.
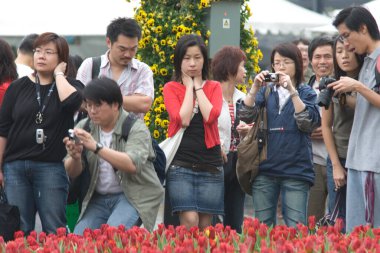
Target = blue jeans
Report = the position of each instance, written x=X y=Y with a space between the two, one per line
x=113 y=209
x=331 y=190
x=294 y=197
x=37 y=186
x=233 y=195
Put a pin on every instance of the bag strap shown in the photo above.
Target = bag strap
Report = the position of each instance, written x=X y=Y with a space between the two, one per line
x=377 y=71
x=338 y=201
x=127 y=125
x=95 y=66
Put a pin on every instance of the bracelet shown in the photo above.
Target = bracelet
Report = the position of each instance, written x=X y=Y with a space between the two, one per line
x=59 y=74
x=200 y=88
x=294 y=94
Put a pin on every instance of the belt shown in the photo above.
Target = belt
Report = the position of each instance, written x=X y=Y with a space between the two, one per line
x=197 y=166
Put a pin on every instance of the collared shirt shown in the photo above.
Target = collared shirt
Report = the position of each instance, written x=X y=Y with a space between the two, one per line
x=136 y=78
x=363 y=153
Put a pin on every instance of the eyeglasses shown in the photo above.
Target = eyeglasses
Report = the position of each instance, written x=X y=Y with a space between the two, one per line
x=343 y=37
x=282 y=63
x=48 y=52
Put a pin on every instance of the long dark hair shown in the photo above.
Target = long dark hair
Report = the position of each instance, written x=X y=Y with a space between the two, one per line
x=183 y=44
x=8 y=69
x=337 y=70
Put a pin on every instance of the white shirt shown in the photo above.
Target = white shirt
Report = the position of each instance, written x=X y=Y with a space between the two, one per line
x=107 y=180
x=23 y=70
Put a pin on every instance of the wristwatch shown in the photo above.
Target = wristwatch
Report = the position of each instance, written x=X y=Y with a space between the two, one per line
x=99 y=146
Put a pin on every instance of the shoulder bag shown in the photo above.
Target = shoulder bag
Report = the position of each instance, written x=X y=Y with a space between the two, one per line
x=252 y=149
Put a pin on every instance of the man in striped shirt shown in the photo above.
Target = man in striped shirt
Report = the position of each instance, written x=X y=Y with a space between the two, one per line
x=134 y=77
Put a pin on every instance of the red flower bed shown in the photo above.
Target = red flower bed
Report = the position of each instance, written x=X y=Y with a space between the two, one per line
x=256 y=237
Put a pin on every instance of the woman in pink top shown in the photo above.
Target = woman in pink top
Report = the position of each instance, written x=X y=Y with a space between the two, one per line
x=195 y=177
x=8 y=69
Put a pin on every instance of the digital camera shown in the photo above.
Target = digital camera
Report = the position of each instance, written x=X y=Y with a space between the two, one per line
x=326 y=94
x=72 y=136
x=271 y=77
x=40 y=136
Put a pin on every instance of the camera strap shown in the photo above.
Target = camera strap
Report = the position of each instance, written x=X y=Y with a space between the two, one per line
x=42 y=104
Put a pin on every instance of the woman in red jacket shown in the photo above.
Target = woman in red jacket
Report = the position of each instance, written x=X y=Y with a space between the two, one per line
x=8 y=69
x=195 y=177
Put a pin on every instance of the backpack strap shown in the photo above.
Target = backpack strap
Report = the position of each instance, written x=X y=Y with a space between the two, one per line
x=377 y=71
x=127 y=125
x=95 y=66
x=86 y=125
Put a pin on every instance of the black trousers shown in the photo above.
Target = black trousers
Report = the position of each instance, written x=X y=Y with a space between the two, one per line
x=233 y=195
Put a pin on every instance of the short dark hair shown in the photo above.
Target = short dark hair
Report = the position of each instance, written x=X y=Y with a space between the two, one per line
x=60 y=43
x=103 y=89
x=354 y=17
x=8 y=69
x=124 y=26
x=319 y=41
x=226 y=62
x=26 y=45
x=183 y=44
x=301 y=40
x=338 y=72
x=291 y=51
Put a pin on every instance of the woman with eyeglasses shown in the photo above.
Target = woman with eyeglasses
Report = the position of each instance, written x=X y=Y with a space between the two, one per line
x=341 y=116
x=292 y=115
x=36 y=114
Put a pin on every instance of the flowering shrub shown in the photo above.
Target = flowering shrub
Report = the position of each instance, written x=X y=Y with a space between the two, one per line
x=163 y=22
x=256 y=237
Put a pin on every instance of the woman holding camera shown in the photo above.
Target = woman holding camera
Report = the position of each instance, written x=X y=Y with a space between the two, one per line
x=292 y=115
x=36 y=113
x=341 y=116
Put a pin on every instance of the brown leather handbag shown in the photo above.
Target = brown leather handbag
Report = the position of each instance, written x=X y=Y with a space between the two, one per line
x=252 y=150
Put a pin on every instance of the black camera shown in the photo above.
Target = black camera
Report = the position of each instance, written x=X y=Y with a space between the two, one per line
x=271 y=77
x=72 y=136
x=326 y=94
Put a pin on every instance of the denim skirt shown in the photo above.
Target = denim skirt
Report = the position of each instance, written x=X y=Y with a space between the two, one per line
x=199 y=191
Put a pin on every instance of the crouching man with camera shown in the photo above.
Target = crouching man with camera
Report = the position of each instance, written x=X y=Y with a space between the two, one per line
x=124 y=186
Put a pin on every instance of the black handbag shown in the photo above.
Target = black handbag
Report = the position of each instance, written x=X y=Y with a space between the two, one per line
x=9 y=217
x=330 y=219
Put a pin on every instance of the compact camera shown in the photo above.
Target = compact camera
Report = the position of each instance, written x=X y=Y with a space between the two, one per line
x=326 y=94
x=40 y=136
x=72 y=136
x=271 y=77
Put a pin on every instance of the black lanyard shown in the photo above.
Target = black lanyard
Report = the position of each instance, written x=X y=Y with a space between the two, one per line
x=42 y=104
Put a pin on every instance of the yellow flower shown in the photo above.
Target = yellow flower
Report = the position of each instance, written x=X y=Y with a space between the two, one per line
x=163 y=71
x=161 y=54
x=156 y=134
x=150 y=23
x=157 y=110
x=159 y=29
x=154 y=69
x=163 y=42
x=157 y=122
x=172 y=58
x=162 y=107
x=164 y=123
x=147 y=123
